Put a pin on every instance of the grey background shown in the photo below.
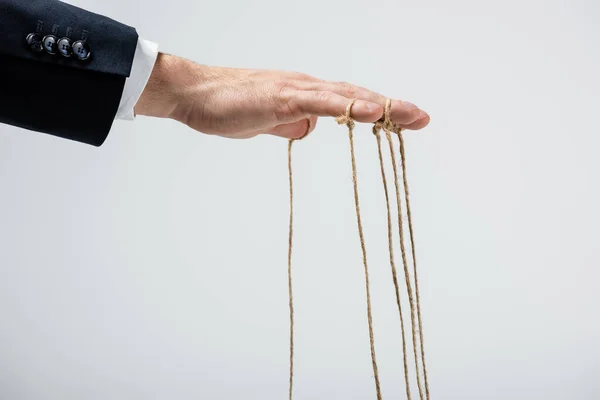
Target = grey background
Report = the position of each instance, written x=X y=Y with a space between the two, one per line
x=154 y=267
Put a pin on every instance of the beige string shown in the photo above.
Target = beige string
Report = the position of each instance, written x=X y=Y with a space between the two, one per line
x=347 y=120
x=290 y=241
x=398 y=131
x=388 y=127
x=290 y=292
x=376 y=130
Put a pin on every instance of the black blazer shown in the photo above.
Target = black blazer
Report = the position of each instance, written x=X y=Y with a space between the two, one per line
x=62 y=69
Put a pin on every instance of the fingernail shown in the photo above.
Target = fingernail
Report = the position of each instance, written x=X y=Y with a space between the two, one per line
x=409 y=106
x=423 y=114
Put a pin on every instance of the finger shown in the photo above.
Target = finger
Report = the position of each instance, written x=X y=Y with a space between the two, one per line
x=405 y=113
x=402 y=112
x=418 y=124
x=324 y=103
x=345 y=89
x=295 y=130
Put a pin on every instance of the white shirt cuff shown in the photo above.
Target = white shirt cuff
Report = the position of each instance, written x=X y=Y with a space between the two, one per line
x=143 y=63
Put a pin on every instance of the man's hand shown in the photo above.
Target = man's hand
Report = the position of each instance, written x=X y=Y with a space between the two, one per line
x=241 y=103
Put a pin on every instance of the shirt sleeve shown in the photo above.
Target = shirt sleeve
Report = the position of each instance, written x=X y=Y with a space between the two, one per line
x=144 y=59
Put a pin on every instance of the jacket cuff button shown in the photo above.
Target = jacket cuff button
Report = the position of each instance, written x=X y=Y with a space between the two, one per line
x=65 y=47
x=34 y=42
x=81 y=50
x=50 y=43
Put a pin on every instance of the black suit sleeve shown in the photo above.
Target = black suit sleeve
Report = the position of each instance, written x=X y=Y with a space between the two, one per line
x=62 y=69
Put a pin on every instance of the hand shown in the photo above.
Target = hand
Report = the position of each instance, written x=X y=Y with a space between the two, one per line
x=242 y=103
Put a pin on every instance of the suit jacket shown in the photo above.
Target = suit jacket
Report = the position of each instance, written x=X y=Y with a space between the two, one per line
x=62 y=69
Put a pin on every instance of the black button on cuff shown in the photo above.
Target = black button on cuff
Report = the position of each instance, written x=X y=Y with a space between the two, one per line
x=50 y=43
x=81 y=50
x=65 y=47
x=34 y=41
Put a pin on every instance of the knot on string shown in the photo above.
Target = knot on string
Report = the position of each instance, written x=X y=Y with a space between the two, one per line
x=346 y=119
x=376 y=128
x=385 y=122
x=397 y=129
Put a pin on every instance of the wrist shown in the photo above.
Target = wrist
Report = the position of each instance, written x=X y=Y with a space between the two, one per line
x=163 y=95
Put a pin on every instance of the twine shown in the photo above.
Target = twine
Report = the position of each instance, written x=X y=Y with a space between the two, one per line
x=289 y=271
x=376 y=130
x=347 y=120
x=388 y=127
x=398 y=131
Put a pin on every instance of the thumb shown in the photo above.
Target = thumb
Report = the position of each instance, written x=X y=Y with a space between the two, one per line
x=295 y=130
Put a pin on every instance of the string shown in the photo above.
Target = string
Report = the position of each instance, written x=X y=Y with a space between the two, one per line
x=290 y=291
x=376 y=130
x=289 y=271
x=387 y=127
x=398 y=131
x=346 y=119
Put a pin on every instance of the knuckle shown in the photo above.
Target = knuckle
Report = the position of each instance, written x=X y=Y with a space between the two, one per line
x=348 y=89
x=284 y=91
x=283 y=87
x=286 y=107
